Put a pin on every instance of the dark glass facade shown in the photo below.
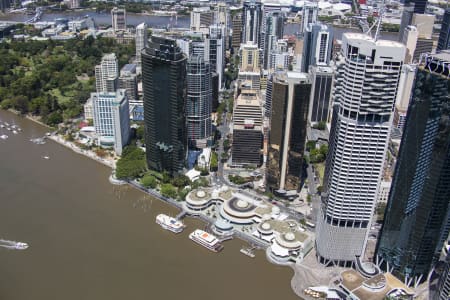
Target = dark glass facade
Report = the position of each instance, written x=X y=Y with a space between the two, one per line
x=416 y=218
x=288 y=121
x=444 y=35
x=164 y=84
x=419 y=5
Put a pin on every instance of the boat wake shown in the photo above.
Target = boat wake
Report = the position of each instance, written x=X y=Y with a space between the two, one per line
x=13 y=245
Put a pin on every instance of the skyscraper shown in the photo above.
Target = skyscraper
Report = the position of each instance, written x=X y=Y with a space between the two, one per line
x=444 y=35
x=419 y=5
x=164 y=83
x=317 y=46
x=405 y=86
x=236 y=37
x=201 y=19
x=290 y=101
x=215 y=44
x=128 y=81
x=111 y=118
x=320 y=100
x=309 y=15
x=365 y=89
x=416 y=219
x=410 y=37
x=119 y=19
x=106 y=74
x=252 y=15
x=141 y=41
x=199 y=100
x=249 y=70
x=247 y=129
x=271 y=32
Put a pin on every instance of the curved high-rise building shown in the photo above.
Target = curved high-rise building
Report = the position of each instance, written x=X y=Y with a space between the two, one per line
x=417 y=218
x=198 y=104
x=366 y=84
x=164 y=83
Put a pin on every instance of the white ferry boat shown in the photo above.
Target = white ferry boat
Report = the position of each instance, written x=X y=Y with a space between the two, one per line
x=170 y=223
x=207 y=240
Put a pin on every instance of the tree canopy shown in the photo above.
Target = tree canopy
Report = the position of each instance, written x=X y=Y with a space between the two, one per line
x=132 y=164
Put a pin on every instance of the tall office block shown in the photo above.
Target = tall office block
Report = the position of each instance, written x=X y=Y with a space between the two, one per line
x=236 y=37
x=128 y=81
x=221 y=14
x=199 y=100
x=271 y=32
x=419 y=5
x=410 y=37
x=317 y=46
x=251 y=28
x=309 y=15
x=278 y=58
x=417 y=214
x=444 y=35
x=141 y=41
x=365 y=89
x=106 y=74
x=164 y=83
x=111 y=114
x=249 y=68
x=320 y=100
x=215 y=44
x=201 y=19
x=247 y=129
x=287 y=136
x=119 y=19
x=405 y=86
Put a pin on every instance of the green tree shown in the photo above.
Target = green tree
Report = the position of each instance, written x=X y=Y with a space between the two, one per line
x=132 y=163
x=310 y=145
x=181 y=181
x=214 y=164
x=168 y=190
x=149 y=181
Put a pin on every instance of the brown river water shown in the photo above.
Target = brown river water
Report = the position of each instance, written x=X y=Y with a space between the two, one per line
x=92 y=240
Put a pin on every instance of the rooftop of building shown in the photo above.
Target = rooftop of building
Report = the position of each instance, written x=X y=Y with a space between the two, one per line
x=131 y=68
x=368 y=38
x=248 y=98
x=291 y=76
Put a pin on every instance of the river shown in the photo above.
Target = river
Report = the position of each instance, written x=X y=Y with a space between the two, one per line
x=92 y=240
x=104 y=18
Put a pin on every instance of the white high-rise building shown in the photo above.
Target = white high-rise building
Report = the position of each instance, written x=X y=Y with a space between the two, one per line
x=365 y=89
x=106 y=74
x=199 y=102
x=309 y=15
x=118 y=19
x=252 y=18
x=201 y=19
x=141 y=41
x=318 y=40
x=405 y=87
x=112 y=119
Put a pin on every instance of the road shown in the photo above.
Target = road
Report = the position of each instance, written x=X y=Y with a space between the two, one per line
x=315 y=199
